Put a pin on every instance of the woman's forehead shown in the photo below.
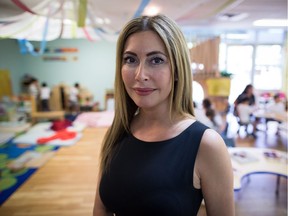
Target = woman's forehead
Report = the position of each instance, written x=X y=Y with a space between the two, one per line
x=144 y=41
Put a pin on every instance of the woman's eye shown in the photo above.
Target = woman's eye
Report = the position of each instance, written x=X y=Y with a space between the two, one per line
x=157 y=60
x=129 y=60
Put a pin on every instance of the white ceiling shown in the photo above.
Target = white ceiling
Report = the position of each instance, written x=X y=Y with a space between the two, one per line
x=105 y=18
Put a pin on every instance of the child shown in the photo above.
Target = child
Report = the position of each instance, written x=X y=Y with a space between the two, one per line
x=74 y=98
x=244 y=111
x=278 y=106
x=44 y=97
x=211 y=114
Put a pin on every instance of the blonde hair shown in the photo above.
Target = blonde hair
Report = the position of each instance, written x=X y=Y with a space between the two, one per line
x=181 y=100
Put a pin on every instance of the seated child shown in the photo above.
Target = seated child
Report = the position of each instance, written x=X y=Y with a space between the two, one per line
x=244 y=111
x=278 y=106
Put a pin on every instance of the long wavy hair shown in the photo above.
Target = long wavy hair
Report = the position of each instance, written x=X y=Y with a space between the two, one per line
x=181 y=101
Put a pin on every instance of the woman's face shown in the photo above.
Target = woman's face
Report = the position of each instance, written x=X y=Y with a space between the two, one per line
x=146 y=70
x=250 y=91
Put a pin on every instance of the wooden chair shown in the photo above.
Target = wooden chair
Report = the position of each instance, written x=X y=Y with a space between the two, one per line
x=36 y=115
x=244 y=125
x=108 y=95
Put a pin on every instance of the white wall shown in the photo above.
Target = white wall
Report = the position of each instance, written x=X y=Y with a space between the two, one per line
x=94 y=69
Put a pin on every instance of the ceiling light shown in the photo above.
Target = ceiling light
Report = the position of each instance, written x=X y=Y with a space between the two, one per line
x=99 y=20
x=236 y=36
x=107 y=21
x=193 y=66
x=68 y=21
x=271 y=22
x=201 y=66
x=152 y=11
x=190 y=45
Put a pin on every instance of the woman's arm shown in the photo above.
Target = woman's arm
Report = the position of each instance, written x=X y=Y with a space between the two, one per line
x=99 y=209
x=214 y=168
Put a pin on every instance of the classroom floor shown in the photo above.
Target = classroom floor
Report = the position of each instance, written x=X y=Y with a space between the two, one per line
x=258 y=195
x=66 y=184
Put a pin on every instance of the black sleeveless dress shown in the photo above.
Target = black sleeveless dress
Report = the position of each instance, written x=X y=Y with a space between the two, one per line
x=154 y=178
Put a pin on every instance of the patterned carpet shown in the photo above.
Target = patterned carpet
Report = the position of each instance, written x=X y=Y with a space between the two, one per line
x=18 y=162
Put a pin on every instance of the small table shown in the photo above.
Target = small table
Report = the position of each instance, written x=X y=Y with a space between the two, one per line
x=280 y=117
x=246 y=161
x=47 y=115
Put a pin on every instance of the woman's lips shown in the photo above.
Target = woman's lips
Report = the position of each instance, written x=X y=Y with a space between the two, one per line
x=143 y=91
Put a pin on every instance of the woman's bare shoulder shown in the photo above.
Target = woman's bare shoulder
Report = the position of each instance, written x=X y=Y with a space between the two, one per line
x=215 y=173
x=212 y=149
x=212 y=140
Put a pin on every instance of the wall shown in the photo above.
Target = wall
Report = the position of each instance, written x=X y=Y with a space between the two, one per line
x=94 y=68
x=207 y=54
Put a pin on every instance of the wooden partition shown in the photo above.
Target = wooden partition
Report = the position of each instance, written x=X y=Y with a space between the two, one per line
x=59 y=97
x=215 y=87
x=5 y=83
x=206 y=53
x=109 y=94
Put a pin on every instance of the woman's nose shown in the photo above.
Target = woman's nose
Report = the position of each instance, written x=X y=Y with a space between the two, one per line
x=141 y=73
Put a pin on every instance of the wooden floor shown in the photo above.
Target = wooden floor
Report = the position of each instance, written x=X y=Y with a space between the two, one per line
x=66 y=184
x=258 y=197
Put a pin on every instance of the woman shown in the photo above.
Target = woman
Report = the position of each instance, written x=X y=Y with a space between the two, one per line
x=156 y=158
x=248 y=92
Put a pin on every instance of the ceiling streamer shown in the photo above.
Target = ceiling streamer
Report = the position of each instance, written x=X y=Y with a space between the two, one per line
x=82 y=10
x=25 y=26
x=27 y=46
x=200 y=18
x=141 y=8
x=25 y=8
x=53 y=19
x=67 y=19
x=103 y=32
x=88 y=36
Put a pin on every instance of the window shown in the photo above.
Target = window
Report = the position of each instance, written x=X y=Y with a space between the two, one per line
x=254 y=61
x=239 y=63
x=268 y=64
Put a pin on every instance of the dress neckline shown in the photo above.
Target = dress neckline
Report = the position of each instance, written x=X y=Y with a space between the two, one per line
x=166 y=140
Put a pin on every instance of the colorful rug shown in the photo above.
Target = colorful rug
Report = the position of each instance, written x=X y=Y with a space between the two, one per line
x=18 y=162
x=43 y=131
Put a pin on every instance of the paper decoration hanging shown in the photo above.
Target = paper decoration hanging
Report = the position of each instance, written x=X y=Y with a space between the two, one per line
x=82 y=10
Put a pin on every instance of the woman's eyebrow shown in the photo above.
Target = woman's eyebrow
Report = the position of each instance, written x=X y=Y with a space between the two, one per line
x=148 y=54
x=130 y=53
x=156 y=52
